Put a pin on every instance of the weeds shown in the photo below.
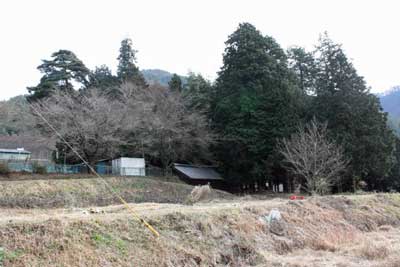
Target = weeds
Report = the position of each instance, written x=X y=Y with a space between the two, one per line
x=13 y=255
x=121 y=246
x=102 y=239
x=9 y=255
x=108 y=240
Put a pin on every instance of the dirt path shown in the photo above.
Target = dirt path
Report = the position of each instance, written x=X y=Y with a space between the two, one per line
x=119 y=211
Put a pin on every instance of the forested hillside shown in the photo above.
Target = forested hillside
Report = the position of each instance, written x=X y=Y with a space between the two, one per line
x=159 y=76
x=390 y=101
x=304 y=119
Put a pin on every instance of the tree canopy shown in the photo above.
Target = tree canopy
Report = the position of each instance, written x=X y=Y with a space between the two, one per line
x=127 y=69
x=255 y=105
x=60 y=73
x=199 y=93
x=175 y=84
x=103 y=79
x=354 y=115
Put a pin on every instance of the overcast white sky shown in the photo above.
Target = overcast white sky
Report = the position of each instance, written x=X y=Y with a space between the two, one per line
x=179 y=36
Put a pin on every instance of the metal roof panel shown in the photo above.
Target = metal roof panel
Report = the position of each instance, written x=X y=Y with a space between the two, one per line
x=198 y=172
x=14 y=151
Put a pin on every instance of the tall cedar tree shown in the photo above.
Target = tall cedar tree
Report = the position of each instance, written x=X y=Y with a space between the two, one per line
x=256 y=105
x=354 y=116
x=175 y=84
x=303 y=65
x=59 y=74
x=199 y=93
x=127 y=69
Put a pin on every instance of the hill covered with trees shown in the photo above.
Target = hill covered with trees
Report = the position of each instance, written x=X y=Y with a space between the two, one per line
x=390 y=101
x=161 y=77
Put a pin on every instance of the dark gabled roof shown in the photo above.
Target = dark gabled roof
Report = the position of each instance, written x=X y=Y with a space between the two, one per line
x=104 y=160
x=197 y=172
x=14 y=151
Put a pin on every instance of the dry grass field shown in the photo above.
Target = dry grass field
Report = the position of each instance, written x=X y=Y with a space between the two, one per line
x=360 y=230
x=49 y=191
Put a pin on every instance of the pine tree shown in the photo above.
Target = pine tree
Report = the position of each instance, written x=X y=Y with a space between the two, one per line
x=255 y=106
x=127 y=69
x=60 y=73
x=175 y=84
x=354 y=116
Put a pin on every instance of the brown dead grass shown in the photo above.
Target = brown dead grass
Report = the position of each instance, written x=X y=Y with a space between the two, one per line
x=372 y=251
x=391 y=262
x=335 y=239
x=83 y=192
x=316 y=232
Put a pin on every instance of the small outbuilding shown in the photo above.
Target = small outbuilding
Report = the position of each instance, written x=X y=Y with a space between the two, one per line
x=129 y=166
x=198 y=175
x=19 y=154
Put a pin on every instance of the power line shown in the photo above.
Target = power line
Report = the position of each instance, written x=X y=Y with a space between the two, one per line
x=112 y=189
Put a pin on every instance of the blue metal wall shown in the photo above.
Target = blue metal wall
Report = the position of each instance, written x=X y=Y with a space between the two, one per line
x=24 y=166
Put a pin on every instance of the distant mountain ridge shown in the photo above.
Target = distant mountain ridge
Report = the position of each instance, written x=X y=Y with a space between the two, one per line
x=159 y=76
x=390 y=101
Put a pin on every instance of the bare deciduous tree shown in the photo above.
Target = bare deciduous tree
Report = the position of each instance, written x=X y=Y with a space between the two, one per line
x=15 y=117
x=166 y=128
x=312 y=156
x=151 y=119
x=40 y=146
x=92 y=123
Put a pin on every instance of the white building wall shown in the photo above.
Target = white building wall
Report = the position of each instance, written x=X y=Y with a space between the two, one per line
x=14 y=156
x=116 y=166
x=129 y=166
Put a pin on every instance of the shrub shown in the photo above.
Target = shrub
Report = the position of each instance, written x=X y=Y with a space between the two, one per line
x=4 y=170
x=39 y=169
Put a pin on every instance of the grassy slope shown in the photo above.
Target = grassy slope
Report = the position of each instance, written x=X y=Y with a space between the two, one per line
x=330 y=231
x=61 y=192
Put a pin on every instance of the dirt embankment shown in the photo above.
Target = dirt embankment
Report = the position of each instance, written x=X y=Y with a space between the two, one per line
x=329 y=231
x=59 y=192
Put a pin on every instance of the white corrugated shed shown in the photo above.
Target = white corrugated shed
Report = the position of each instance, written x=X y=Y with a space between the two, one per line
x=129 y=166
